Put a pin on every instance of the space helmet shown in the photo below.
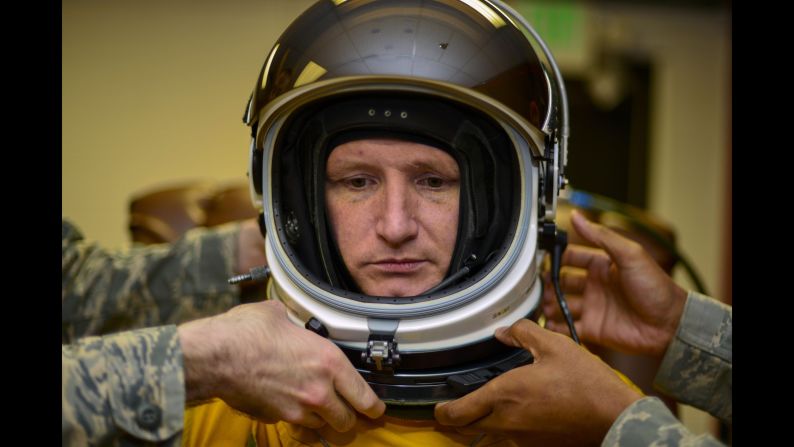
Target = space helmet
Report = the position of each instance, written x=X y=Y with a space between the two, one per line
x=470 y=77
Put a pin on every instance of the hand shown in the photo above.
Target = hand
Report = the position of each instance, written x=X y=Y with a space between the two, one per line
x=567 y=396
x=619 y=297
x=250 y=247
x=260 y=363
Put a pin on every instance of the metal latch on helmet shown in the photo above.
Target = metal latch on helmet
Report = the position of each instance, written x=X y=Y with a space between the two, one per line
x=382 y=352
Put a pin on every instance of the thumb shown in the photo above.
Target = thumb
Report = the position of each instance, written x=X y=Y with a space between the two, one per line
x=524 y=334
x=561 y=327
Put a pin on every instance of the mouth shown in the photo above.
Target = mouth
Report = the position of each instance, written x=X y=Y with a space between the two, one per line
x=399 y=266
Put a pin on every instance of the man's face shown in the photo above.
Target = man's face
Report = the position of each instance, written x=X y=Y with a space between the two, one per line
x=393 y=207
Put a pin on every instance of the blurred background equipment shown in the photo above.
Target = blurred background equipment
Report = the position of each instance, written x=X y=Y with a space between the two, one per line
x=164 y=214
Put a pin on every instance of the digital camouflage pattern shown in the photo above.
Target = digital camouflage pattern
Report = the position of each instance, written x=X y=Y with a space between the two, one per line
x=107 y=291
x=123 y=389
x=697 y=369
x=698 y=366
x=648 y=422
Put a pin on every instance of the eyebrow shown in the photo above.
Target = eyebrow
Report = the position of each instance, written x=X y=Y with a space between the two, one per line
x=425 y=165
x=344 y=164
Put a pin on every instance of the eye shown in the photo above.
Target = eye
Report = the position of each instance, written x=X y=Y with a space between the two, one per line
x=358 y=182
x=432 y=182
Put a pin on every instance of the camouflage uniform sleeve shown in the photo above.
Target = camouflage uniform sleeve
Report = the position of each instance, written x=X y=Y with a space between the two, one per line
x=697 y=368
x=123 y=389
x=106 y=291
x=648 y=421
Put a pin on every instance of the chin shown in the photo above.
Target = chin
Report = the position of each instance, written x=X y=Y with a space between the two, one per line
x=404 y=288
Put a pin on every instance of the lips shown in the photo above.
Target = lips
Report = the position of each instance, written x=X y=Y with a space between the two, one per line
x=399 y=266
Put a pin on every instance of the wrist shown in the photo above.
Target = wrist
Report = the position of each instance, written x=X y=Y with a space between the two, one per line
x=203 y=359
x=616 y=406
x=620 y=398
x=677 y=303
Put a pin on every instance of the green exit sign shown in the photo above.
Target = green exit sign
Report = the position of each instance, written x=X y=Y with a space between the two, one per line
x=559 y=23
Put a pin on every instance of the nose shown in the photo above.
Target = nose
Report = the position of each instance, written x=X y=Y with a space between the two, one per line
x=396 y=223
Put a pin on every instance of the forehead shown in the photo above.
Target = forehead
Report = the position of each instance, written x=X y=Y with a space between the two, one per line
x=389 y=152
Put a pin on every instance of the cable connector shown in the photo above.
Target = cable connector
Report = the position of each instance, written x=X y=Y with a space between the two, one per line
x=256 y=274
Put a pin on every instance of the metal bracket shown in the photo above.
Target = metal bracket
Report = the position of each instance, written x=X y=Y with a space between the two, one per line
x=382 y=352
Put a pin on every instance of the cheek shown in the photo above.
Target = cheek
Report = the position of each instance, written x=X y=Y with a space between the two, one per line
x=348 y=225
x=443 y=224
x=451 y=227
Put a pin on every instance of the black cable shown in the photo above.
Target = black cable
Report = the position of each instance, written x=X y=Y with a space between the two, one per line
x=455 y=276
x=554 y=241
x=560 y=243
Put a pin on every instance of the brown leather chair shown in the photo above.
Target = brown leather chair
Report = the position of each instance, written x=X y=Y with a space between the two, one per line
x=164 y=214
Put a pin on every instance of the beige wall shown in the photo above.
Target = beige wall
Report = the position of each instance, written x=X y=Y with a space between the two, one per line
x=154 y=91
x=690 y=140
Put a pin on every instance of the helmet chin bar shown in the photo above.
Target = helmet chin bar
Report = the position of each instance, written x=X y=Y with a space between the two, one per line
x=420 y=330
x=414 y=363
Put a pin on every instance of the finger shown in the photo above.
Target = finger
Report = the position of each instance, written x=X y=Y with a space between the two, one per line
x=524 y=334
x=561 y=327
x=539 y=341
x=550 y=306
x=355 y=390
x=465 y=410
x=471 y=430
x=308 y=420
x=549 y=295
x=556 y=326
x=550 y=299
x=621 y=249
x=583 y=257
x=488 y=424
x=339 y=415
x=503 y=335
x=552 y=311
x=573 y=280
